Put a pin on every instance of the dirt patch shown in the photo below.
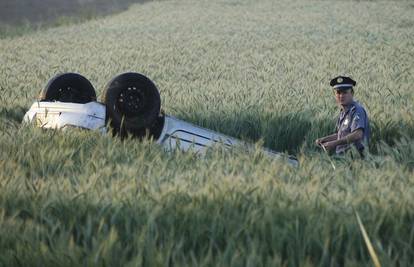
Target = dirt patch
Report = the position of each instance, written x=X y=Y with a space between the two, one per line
x=17 y=12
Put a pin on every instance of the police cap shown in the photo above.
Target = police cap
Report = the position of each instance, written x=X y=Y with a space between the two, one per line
x=342 y=83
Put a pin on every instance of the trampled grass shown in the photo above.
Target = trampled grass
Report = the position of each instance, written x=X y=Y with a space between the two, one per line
x=257 y=70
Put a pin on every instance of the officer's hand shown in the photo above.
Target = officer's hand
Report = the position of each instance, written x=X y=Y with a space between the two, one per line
x=318 y=141
x=329 y=146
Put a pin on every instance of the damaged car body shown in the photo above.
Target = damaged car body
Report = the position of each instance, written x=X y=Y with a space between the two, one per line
x=130 y=106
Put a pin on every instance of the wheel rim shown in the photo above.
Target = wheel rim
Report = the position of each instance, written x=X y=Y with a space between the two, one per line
x=131 y=101
x=69 y=94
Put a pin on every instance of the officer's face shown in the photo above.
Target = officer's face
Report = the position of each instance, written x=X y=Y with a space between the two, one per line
x=344 y=97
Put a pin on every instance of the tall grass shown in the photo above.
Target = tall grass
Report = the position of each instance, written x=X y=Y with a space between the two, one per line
x=257 y=70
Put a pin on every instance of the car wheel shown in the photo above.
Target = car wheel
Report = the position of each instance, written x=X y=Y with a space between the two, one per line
x=68 y=87
x=132 y=104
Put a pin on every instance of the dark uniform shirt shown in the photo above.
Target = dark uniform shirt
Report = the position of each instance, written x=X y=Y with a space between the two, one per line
x=352 y=118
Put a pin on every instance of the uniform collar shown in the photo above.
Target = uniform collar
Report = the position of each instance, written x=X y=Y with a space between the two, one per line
x=349 y=107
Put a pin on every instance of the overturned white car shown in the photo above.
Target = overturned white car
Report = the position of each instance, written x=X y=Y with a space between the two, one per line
x=130 y=107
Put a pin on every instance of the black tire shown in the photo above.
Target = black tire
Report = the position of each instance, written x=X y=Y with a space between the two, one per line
x=132 y=104
x=68 y=87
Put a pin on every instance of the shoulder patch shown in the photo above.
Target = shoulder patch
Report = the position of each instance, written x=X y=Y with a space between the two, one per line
x=346 y=121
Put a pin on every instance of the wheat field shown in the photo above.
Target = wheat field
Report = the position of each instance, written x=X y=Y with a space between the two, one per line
x=255 y=70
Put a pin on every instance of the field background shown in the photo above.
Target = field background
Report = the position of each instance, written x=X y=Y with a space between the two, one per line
x=256 y=70
x=18 y=17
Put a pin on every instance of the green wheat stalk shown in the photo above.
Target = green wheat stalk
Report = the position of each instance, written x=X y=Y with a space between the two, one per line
x=371 y=250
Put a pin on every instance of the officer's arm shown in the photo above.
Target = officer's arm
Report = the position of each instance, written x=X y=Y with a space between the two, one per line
x=328 y=138
x=353 y=137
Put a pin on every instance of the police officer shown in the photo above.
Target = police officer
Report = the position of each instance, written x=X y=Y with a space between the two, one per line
x=352 y=126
